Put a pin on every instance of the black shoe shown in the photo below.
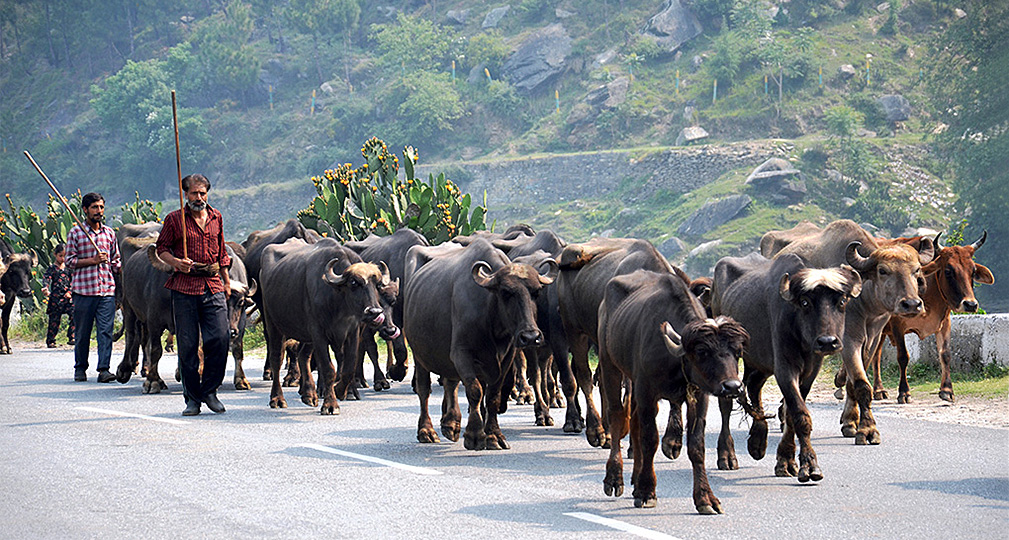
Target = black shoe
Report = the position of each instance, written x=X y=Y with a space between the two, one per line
x=71 y=342
x=80 y=376
x=50 y=345
x=105 y=376
x=192 y=408
x=213 y=403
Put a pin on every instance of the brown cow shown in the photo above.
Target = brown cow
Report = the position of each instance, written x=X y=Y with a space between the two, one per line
x=949 y=287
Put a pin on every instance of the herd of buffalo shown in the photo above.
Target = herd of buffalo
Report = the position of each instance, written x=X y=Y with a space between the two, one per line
x=516 y=313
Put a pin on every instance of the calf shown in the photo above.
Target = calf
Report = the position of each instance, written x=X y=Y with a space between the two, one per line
x=638 y=339
x=795 y=317
x=466 y=311
x=15 y=282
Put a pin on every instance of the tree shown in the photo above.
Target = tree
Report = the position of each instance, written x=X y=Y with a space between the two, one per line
x=414 y=42
x=967 y=89
x=324 y=18
x=222 y=48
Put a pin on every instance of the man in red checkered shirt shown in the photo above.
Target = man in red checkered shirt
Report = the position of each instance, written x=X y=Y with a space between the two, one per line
x=93 y=286
x=199 y=288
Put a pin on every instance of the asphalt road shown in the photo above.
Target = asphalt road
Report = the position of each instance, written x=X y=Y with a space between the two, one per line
x=86 y=460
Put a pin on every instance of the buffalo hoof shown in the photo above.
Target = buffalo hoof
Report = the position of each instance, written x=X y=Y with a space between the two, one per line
x=474 y=441
x=427 y=436
x=810 y=471
x=903 y=398
x=123 y=374
x=839 y=393
x=360 y=382
x=397 y=373
x=524 y=396
x=573 y=425
x=178 y=375
x=310 y=400
x=596 y=436
x=557 y=402
x=728 y=463
x=451 y=432
x=671 y=447
x=613 y=487
x=650 y=501
x=381 y=384
x=849 y=429
x=786 y=467
x=544 y=420
x=869 y=436
x=756 y=442
x=329 y=409
x=267 y=375
x=278 y=403
x=879 y=395
x=242 y=384
x=154 y=387
x=947 y=395
x=496 y=442
x=290 y=381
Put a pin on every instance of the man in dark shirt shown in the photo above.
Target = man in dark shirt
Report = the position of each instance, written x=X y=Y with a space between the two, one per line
x=199 y=288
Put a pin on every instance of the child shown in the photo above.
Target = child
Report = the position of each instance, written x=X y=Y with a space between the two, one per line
x=57 y=279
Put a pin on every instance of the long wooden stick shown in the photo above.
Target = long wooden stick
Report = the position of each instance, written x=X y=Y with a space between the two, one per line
x=63 y=200
x=178 y=167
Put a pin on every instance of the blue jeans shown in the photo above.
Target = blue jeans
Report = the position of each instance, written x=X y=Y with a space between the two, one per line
x=205 y=314
x=100 y=312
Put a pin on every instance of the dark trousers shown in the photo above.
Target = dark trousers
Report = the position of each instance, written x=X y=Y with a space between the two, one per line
x=205 y=314
x=55 y=316
x=98 y=312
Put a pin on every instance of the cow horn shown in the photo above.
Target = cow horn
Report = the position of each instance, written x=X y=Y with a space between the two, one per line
x=157 y=262
x=385 y=273
x=253 y=287
x=935 y=240
x=855 y=259
x=980 y=241
x=856 y=280
x=672 y=339
x=926 y=251
x=331 y=277
x=482 y=274
x=552 y=270
x=784 y=287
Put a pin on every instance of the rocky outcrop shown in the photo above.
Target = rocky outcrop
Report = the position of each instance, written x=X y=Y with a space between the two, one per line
x=690 y=134
x=777 y=180
x=603 y=97
x=673 y=26
x=494 y=16
x=713 y=214
x=457 y=16
x=895 y=107
x=539 y=58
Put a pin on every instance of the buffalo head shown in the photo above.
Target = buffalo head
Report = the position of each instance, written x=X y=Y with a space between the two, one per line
x=18 y=273
x=710 y=351
x=359 y=284
x=514 y=289
x=819 y=296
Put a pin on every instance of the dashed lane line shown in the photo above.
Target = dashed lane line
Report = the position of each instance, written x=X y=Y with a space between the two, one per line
x=133 y=415
x=379 y=461
x=621 y=526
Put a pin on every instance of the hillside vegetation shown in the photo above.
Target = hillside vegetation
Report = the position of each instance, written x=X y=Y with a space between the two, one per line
x=272 y=93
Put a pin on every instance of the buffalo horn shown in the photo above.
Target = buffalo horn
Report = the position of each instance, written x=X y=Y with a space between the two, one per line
x=672 y=339
x=253 y=287
x=552 y=270
x=980 y=241
x=482 y=274
x=331 y=277
x=784 y=288
x=156 y=261
x=856 y=280
x=855 y=259
x=935 y=241
x=35 y=256
x=385 y=273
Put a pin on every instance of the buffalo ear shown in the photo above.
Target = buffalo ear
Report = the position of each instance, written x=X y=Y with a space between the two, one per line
x=983 y=275
x=784 y=288
x=482 y=275
x=673 y=342
x=854 y=279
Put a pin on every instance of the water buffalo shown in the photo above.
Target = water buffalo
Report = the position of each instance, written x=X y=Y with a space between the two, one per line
x=466 y=311
x=15 y=282
x=147 y=312
x=891 y=278
x=585 y=270
x=391 y=250
x=795 y=316
x=320 y=294
x=641 y=320
x=949 y=286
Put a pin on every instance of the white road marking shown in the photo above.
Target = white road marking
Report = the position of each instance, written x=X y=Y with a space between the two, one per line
x=132 y=415
x=379 y=461
x=621 y=526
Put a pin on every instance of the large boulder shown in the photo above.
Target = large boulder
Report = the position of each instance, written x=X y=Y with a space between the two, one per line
x=713 y=214
x=539 y=58
x=672 y=248
x=777 y=180
x=895 y=107
x=494 y=16
x=673 y=26
x=690 y=134
x=457 y=16
x=604 y=97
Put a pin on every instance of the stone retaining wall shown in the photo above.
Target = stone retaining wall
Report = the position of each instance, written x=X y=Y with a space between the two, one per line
x=977 y=340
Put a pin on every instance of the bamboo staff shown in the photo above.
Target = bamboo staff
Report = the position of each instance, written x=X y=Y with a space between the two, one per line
x=63 y=200
x=178 y=167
